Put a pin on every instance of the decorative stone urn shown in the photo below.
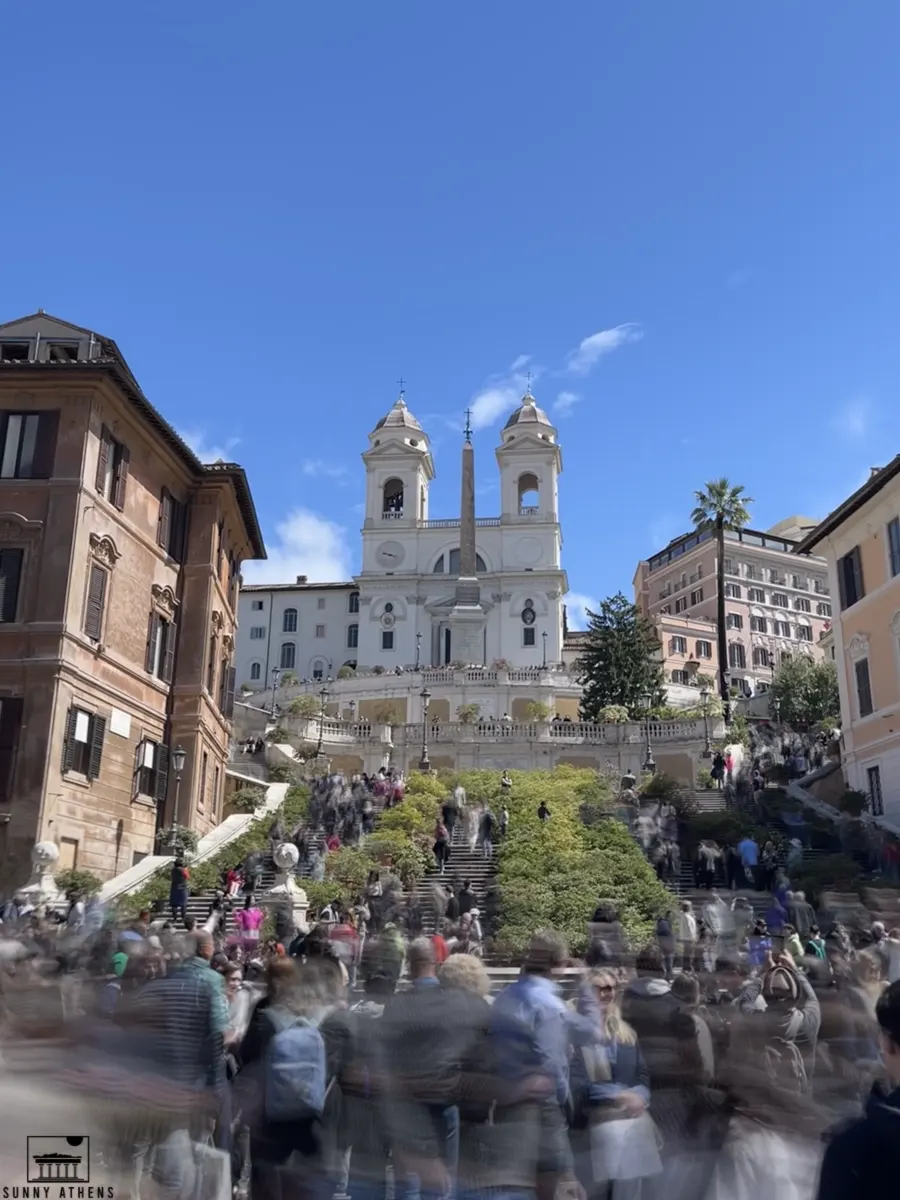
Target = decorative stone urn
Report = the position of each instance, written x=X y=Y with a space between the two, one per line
x=41 y=887
x=287 y=895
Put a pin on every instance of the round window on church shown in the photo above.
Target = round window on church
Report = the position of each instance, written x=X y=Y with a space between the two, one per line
x=528 y=615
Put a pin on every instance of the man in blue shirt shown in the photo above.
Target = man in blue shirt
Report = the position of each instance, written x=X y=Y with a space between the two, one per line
x=749 y=852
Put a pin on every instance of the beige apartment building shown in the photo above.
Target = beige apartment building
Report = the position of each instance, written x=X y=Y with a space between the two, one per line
x=775 y=605
x=120 y=557
x=861 y=544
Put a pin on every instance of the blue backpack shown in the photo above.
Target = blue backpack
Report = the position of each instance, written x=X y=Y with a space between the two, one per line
x=295 y=1070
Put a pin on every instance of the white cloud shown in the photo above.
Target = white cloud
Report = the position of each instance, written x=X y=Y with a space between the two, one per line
x=304 y=544
x=503 y=393
x=577 y=605
x=565 y=402
x=592 y=349
x=854 y=420
x=323 y=470
x=520 y=363
x=208 y=452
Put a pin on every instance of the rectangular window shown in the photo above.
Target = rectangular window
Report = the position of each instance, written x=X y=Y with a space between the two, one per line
x=782 y=629
x=204 y=773
x=28 y=442
x=863 y=688
x=800 y=583
x=112 y=469
x=226 y=690
x=83 y=745
x=678 y=645
x=352 y=637
x=731 y=567
x=528 y=636
x=894 y=548
x=850 y=579
x=758 y=624
x=756 y=595
x=320 y=631
x=171 y=525
x=15 y=351
x=256 y=605
x=95 y=602
x=733 y=591
x=820 y=587
x=804 y=633
x=779 y=599
x=736 y=656
x=161 y=638
x=754 y=572
x=387 y=639
x=320 y=603
x=257 y=633
x=704 y=649
x=212 y=653
x=823 y=609
x=680 y=604
x=734 y=621
x=10 y=577
x=679 y=676
x=876 y=798
x=215 y=795
x=801 y=604
x=776 y=576
x=62 y=352
x=697 y=596
x=151 y=770
x=354 y=602
x=666 y=608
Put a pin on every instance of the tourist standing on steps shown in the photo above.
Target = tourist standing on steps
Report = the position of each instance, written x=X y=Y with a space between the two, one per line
x=248 y=920
x=486 y=832
x=178 y=888
x=472 y=825
x=441 y=846
x=687 y=935
x=467 y=898
x=450 y=813
x=504 y=821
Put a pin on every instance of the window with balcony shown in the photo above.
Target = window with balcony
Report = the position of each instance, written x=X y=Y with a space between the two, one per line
x=865 y=705
x=777 y=576
x=289 y=624
x=737 y=658
x=800 y=582
x=731 y=567
x=733 y=591
x=759 y=624
x=754 y=572
x=734 y=621
x=820 y=587
x=703 y=649
x=850 y=578
x=756 y=595
x=801 y=604
x=28 y=442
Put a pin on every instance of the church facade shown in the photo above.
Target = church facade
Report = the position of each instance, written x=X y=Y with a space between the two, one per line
x=417 y=601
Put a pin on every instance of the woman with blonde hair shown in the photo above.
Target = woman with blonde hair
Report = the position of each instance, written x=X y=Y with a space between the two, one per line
x=613 y=1137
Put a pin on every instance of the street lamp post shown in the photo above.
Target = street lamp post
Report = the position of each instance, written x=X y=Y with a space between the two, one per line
x=424 y=764
x=544 y=640
x=276 y=672
x=323 y=696
x=704 y=700
x=418 y=649
x=649 y=764
x=178 y=757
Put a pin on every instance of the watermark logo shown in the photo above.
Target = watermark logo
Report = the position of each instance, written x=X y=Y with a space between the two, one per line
x=59 y=1160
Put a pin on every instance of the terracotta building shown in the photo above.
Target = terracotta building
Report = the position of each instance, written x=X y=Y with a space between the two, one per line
x=120 y=557
x=776 y=605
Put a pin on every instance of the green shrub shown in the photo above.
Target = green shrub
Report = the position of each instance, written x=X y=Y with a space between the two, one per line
x=280 y=773
x=86 y=883
x=305 y=706
x=247 y=799
x=704 y=778
x=853 y=802
x=468 y=714
x=278 y=735
x=345 y=672
x=177 y=839
x=613 y=714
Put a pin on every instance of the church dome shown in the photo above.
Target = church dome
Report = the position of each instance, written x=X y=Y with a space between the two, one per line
x=399 y=418
x=528 y=413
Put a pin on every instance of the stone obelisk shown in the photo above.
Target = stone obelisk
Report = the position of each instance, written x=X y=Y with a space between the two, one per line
x=467 y=617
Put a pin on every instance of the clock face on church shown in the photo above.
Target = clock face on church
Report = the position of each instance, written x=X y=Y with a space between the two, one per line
x=390 y=555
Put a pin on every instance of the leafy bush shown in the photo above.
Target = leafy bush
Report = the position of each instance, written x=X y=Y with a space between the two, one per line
x=247 y=799
x=613 y=714
x=704 y=778
x=739 y=730
x=305 y=706
x=86 y=883
x=468 y=714
x=345 y=672
x=287 y=679
x=853 y=802
x=278 y=734
x=388 y=712
x=280 y=773
x=177 y=839
x=535 y=710
x=664 y=789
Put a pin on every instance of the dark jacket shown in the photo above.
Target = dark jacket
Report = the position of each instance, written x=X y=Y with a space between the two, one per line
x=864 y=1159
x=467 y=901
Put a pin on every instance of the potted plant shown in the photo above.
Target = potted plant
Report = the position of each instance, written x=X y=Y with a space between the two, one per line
x=468 y=714
x=536 y=710
x=178 y=839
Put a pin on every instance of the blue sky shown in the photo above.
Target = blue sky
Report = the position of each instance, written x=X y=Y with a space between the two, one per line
x=277 y=210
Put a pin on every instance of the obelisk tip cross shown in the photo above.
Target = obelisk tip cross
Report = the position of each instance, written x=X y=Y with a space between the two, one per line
x=468 y=430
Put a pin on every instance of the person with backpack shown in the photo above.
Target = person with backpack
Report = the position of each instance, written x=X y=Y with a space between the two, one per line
x=786 y=999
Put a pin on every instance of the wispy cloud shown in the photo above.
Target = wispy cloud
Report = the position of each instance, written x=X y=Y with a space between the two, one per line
x=304 y=544
x=577 y=604
x=591 y=349
x=855 y=419
x=503 y=392
x=565 y=402
x=208 y=451
x=318 y=469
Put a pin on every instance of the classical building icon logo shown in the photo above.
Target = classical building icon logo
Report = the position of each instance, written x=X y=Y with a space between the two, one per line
x=59 y=1159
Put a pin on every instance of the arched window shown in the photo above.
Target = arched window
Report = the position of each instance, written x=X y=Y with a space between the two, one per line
x=392 y=504
x=288 y=656
x=318 y=669
x=255 y=671
x=353 y=605
x=529 y=494
x=289 y=624
x=352 y=637
x=453 y=567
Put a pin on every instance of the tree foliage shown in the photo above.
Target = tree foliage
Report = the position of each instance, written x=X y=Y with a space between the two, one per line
x=305 y=706
x=620 y=664
x=805 y=692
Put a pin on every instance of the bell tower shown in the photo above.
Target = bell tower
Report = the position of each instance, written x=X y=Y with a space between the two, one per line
x=530 y=463
x=399 y=469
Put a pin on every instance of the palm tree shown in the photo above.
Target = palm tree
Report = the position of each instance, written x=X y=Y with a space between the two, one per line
x=719 y=507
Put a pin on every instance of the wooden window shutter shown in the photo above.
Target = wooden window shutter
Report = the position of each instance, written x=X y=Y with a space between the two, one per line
x=122 y=460
x=10 y=575
x=10 y=725
x=161 y=759
x=45 y=449
x=179 y=530
x=138 y=763
x=96 y=600
x=168 y=652
x=152 y=638
x=103 y=457
x=164 y=522
x=228 y=706
x=68 y=754
x=98 y=731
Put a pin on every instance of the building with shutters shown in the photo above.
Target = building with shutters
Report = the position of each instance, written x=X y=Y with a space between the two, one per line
x=120 y=557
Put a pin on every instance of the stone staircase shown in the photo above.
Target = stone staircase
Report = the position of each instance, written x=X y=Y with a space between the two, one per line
x=464 y=864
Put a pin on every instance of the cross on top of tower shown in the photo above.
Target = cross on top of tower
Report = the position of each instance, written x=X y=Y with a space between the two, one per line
x=401 y=382
x=468 y=429
x=528 y=395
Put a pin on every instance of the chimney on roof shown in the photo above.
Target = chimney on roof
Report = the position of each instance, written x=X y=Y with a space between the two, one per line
x=873 y=471
x=301 y=579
